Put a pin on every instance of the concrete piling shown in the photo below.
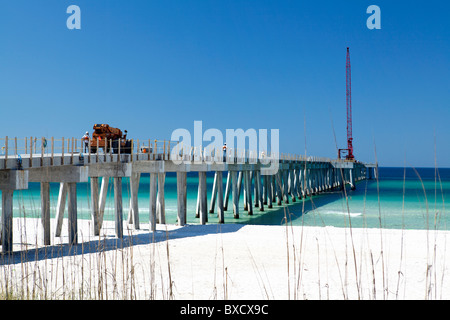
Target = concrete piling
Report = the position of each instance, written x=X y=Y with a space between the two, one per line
x=152 y=205
x=160 y=204
x=220 y=208
x=133 y=213
x=227 y=192
x=235 y=193
x=181 y=197
x=202 y=197
x=213 y=194
x=60 y=207
x=72 y=210
x=118 y=208
x=45 y=212
x=7 y=221
x=94 y=206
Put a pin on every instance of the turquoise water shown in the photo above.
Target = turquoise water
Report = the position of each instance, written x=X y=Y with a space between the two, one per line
x=395 y=201
x=408 y=203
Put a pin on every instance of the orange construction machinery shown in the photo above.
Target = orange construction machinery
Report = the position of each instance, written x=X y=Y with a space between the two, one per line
x=109 y=139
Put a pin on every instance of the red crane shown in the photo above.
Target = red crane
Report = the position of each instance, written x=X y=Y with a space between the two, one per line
x=348 y=78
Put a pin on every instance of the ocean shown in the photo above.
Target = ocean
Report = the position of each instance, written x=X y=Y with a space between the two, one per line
x=400 y=199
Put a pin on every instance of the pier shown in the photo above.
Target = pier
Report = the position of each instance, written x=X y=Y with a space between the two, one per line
x=248 y=174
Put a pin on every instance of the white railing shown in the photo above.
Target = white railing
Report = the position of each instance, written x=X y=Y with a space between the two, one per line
x=139 y=149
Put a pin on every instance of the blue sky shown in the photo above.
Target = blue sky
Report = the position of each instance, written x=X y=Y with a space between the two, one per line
x=154 y=66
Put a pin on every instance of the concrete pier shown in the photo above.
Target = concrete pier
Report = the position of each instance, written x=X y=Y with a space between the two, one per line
x=182 y=197
x=296 y=177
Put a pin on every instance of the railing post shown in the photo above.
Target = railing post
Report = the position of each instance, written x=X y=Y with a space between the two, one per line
x=42 y=151
x=110 y=149
x=62 y=153
x=6 y=151
x=71 y=158
x=31 y=151
x=168 y=151
x=118 y=151
x=164 y=150
x=138 y=149
x=89 y=151
x=149 y=149
x=53 y=151
x=96 y=151
x=106 y=147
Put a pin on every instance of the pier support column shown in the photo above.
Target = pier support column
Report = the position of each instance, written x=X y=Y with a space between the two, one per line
x=153 y=196
x=45 y=212
x=328 y=178
x=7 y=221
x=220 y=209
x=352 y=179
x=299 y=183
x=285 y=187
x=227 y=192
x=94 y=206
x=292 y=185
x=60 y=207
x=295 y=191
x=133 y=212
x=103 y=195
x=248 y=189
x=319 y=179
x=260 y=190
x=118 y=208
x=264 y=186
x=239 y=184
x=235 y=193
x=279 y=187
x=213 y=194
x=269 y=191
x=244 y=189
x=181 y=197
x=273 y=186
x=160 y=205
x=202 y=197
x=313 y=180
x=304 y=182
x=255 y=187
x=197 y=208
x=72 y=212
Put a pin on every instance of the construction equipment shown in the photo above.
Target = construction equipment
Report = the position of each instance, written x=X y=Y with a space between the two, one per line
x=109 y=139
x=349 y=156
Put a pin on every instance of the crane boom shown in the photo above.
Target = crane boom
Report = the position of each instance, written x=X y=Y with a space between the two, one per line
x=348 y=80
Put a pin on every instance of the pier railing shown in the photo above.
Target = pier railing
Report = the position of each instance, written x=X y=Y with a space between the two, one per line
x=140 y=149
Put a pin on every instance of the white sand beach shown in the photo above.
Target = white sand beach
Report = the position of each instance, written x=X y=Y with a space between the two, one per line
x=229 y=261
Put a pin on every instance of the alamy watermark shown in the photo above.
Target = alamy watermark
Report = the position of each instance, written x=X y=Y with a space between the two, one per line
x=238 y=147
x=374 y=21
x=74 y=20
